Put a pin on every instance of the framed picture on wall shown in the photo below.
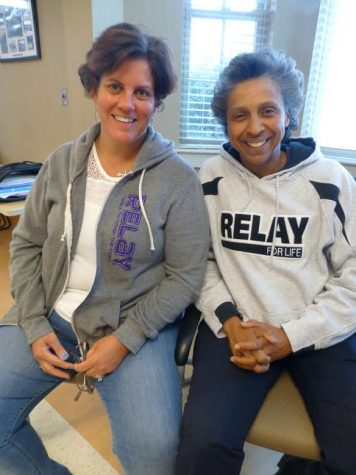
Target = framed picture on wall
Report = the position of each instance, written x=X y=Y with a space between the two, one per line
x=19 y=37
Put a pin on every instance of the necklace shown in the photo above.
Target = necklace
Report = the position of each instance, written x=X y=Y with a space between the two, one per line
x=108 y=165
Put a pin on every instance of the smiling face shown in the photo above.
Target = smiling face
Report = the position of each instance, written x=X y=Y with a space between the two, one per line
x=256 y=122
x=125 y=104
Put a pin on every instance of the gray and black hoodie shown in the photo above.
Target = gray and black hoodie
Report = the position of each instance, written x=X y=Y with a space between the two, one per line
x=283 y=246
x=152 y=242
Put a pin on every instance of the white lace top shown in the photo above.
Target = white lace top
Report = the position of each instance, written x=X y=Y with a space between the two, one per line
x=83 y=266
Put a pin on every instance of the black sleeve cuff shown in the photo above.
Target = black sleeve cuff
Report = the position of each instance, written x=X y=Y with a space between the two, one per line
x=225 y=311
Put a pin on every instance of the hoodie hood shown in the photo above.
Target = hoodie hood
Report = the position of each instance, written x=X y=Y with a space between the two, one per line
x=300 y=153
x=153 y=151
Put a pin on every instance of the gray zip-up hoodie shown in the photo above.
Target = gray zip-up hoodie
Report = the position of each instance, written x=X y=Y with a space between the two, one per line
x=152 y=240
x=283 y=246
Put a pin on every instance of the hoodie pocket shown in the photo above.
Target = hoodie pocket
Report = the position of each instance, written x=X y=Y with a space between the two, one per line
x=110 y=316
x=99 y=317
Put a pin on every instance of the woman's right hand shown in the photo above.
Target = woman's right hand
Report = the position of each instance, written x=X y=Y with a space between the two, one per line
x=255 y=359
x=50 y=356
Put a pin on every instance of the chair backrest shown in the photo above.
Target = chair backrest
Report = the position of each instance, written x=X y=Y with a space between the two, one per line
x=282 y=423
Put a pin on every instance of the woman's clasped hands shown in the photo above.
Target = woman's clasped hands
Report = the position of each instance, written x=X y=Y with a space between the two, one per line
x=255 y=345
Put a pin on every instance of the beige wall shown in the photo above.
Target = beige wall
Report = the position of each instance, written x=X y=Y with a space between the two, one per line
x=32 y=120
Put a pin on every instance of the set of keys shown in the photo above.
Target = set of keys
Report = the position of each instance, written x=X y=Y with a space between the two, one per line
x=84 y=383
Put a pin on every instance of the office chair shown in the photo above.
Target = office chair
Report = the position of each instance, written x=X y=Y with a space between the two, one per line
x=282 y=423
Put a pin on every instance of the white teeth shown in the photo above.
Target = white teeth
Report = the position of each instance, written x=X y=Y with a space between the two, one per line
x=256 y=144
x=126 y=120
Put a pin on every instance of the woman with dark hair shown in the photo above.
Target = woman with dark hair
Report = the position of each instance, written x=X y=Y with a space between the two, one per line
x=279 y=290
x=110 y=250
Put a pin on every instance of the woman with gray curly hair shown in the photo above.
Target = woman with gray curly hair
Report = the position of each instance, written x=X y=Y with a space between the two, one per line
x=269 y=63
x=279 y=290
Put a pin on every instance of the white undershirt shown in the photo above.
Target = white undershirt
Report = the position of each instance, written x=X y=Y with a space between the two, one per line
x=82 y=268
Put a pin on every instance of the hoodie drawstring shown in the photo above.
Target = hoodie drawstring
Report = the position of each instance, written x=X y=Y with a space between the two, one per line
x=250 y=190
x=275 y=221
x=152 y=248
x=67 y=214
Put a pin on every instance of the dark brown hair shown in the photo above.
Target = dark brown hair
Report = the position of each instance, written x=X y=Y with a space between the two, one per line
x=123 y=42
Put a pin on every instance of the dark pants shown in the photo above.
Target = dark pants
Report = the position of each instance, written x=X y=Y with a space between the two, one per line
x=224 y=401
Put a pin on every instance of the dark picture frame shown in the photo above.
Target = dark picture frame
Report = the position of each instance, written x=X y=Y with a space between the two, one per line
x=19 y=35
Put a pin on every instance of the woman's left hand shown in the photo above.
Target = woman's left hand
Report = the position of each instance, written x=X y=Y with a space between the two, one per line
x=103 y=357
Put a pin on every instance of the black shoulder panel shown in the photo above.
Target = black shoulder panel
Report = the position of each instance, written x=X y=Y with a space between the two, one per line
x=326 y=191
x=211 y=187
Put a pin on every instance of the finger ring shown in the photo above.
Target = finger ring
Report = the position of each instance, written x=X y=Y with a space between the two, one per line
x=99 y=378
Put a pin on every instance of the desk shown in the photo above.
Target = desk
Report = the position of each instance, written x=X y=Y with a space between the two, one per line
x=13 y=208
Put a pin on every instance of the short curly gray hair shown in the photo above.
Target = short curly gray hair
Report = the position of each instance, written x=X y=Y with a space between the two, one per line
x=274 y=64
